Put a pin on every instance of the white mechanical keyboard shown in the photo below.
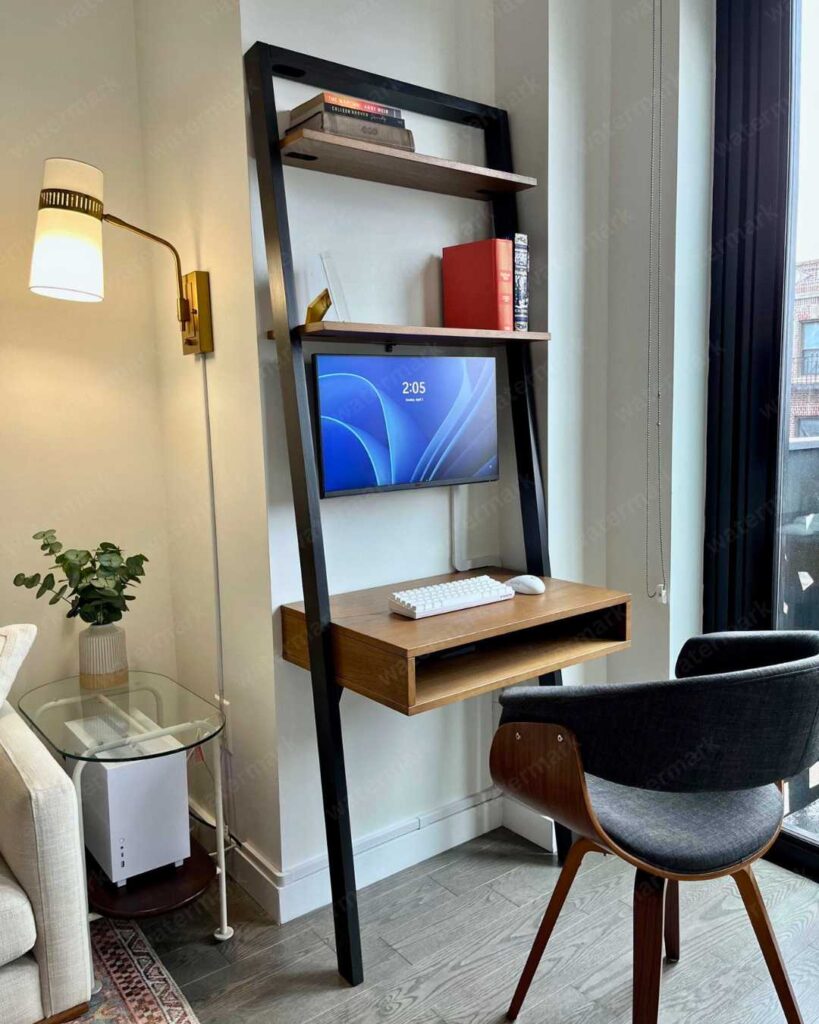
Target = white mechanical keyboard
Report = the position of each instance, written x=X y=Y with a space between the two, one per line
x=449 y=597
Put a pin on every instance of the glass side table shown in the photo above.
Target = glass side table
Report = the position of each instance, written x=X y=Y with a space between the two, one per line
x=129 y=723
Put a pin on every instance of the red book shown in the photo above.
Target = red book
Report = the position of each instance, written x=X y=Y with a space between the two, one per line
x=479 y=285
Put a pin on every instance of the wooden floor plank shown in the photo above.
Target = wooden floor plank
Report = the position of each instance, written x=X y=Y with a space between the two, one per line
x=501 y=854
x=445 y=941
x=443 y=925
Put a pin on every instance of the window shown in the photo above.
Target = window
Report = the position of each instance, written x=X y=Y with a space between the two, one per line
x=810 y=349
x=798 y=511
x=810 y=334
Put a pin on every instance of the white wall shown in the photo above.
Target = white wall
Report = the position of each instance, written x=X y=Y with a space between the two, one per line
x=693 y=282
x=81 y=447
x=687 y=133
x=577 y=278
x=597 y=163
x=629 y=132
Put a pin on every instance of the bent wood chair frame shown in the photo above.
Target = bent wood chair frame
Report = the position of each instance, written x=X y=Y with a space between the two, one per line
x=540 y=764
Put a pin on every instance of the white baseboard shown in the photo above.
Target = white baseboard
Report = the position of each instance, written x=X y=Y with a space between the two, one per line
x=528 y=823
x=305 y=887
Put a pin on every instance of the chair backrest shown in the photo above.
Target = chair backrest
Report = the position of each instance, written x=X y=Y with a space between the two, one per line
x=743 y=712
x=15 y=643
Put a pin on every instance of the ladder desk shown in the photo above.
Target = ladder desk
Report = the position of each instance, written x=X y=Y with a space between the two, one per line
x=510 y=649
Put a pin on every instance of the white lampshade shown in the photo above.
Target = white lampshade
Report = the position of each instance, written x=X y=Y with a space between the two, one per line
x=67 y=258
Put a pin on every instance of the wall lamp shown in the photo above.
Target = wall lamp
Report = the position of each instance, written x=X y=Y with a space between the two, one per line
x=67 y=259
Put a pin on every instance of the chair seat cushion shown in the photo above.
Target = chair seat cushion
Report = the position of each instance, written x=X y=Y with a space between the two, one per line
x=687 y=833
x=17 y=930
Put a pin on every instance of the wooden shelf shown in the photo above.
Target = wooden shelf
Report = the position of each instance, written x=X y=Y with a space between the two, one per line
x=415 y=665
x=352 y=158
x=156 y=892
x=398 y=334
x=510 y=660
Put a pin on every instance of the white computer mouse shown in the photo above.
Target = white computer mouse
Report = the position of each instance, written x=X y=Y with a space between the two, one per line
x=526 y=584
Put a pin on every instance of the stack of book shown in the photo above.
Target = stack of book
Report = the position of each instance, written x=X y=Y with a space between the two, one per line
x=355 y=119
x=486 y=284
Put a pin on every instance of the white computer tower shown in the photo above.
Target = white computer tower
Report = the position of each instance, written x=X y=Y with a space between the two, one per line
x=135 y=813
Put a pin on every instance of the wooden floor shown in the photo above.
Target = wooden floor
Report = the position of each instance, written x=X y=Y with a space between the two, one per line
x=444 y=941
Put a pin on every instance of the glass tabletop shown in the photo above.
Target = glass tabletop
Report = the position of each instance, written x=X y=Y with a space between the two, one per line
x=151 y=716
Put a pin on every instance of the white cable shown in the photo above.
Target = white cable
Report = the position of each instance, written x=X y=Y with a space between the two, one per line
x=220 y=667
x=217 y=604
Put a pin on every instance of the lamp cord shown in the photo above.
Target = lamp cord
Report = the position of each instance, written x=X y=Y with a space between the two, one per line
x=220 y=664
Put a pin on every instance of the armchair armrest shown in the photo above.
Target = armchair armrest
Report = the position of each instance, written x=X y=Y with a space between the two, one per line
x=540 y=765
x=40 y=842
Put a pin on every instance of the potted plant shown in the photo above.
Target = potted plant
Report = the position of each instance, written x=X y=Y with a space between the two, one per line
x=93 y=585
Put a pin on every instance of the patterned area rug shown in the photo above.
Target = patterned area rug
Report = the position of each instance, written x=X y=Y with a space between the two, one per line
x=136 y=988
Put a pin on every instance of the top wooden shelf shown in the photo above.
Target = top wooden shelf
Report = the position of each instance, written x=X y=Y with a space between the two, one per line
x=414 y=665
x=352 y=158
x=402 y=334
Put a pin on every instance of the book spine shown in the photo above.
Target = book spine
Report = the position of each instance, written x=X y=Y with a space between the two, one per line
x=505 y=284
x=365 y=106
x=521 y=287
x=355 y=128
x=363 y=115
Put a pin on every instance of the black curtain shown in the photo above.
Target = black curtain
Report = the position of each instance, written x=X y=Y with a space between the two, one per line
x=749 y=230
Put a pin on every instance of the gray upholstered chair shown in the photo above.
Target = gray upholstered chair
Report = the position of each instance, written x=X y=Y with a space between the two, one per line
x=681 y=779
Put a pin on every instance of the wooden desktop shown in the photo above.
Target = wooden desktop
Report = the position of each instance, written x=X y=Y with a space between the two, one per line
x=415 y=665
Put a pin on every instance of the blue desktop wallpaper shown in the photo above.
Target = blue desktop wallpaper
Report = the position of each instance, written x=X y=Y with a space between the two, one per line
x=395 y=421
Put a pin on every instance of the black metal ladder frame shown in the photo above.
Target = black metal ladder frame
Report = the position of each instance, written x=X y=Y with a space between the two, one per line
x=263 y=63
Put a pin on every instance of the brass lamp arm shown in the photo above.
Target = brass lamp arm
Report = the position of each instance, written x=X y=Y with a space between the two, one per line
x=182 y=304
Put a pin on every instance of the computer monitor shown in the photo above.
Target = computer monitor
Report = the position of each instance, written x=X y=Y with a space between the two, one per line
x=389 y=422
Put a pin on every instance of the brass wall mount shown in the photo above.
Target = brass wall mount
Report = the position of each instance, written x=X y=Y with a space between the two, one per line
x=197 y=332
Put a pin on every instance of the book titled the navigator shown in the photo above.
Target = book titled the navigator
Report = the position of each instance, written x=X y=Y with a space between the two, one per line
x=521 y=289
x=349 y=106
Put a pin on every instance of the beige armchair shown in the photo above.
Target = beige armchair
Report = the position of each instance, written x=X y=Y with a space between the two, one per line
x=45 y=970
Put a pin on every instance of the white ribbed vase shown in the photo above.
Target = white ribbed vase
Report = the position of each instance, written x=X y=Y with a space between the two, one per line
x=103 y=658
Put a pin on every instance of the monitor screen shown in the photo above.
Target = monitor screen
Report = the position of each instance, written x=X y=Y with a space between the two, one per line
x=388 y=422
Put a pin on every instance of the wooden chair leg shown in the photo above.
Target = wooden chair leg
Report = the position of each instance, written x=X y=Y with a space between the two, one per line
x=649 y=908
x=672 y=921
x=752 y=898
x=574 y=859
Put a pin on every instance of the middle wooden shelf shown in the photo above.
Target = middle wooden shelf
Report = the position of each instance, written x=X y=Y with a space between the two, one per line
x=399 y=334
x=414 y=665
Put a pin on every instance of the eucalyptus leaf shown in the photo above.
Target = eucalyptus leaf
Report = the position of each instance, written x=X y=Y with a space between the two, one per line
x=45 y=586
